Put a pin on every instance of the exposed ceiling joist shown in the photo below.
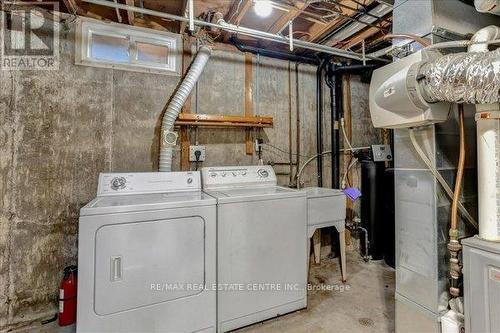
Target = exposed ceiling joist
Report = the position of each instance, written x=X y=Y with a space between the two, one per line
x=359 y=37
x=347 y=9
x=72 y=7
x=130 y=14
x=184 y=9
x=291 y=14
x=238 y=11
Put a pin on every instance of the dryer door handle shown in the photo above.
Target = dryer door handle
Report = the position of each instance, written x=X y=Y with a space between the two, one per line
x=116 y=268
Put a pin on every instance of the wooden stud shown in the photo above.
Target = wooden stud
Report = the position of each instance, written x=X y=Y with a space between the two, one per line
x=346 y=98
x=249 y=100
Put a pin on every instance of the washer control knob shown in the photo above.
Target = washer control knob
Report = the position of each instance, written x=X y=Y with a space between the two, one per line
x=190 y=180
x=213 y=175
x=223 y=174
x=263 y=173
x=118 y=183
x=243 y=173
x=234 y=174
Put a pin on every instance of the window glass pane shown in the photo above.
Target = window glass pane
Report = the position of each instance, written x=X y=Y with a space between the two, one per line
x=152 y=53
x=109 y=48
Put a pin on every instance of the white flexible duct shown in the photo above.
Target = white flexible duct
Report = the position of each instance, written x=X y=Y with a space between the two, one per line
x=167 y=137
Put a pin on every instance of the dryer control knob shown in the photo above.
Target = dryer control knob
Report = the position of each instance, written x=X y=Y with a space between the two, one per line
x=263 y=173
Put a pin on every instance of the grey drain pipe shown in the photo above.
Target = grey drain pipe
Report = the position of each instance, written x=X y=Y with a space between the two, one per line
x=168 y=138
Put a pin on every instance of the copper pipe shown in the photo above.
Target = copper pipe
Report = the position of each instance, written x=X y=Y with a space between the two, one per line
x=460 y=170
x=454 y=245
x=422 y=41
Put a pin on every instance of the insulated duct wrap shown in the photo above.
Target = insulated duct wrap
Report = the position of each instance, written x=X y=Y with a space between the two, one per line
x=463 y=78
x=167 y=137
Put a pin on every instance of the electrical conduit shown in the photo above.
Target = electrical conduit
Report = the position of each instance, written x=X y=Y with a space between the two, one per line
x=168 y=138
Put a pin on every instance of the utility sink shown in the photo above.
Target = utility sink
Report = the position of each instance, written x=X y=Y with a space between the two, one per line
x=326 y=207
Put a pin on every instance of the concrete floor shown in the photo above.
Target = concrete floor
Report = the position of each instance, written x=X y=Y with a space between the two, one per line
x=364 y=304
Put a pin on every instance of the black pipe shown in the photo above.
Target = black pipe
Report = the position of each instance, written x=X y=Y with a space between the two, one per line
x=319 y=119
x=333 y=79
x=272 y=53
x=353 y=69
x=335 y=84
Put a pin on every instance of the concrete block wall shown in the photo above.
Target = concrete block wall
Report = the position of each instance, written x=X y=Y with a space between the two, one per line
x=60 y=129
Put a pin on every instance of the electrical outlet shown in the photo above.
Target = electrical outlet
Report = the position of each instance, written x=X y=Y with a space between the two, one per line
x=192 y=153
x=258 y=144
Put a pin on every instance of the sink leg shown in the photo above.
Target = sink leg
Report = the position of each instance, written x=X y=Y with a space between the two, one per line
x=317 y=246
x=342 y=255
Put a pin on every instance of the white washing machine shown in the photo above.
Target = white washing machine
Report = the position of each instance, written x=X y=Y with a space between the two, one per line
x=147 y=256
x=261 y=245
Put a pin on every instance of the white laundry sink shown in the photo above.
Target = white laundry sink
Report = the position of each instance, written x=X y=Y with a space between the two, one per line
x=326 y=207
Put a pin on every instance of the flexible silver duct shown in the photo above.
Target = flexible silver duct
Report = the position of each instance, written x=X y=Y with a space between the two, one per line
x=472 y=77
x=167 y=137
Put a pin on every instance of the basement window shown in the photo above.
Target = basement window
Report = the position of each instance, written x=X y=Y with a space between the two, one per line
x=124 y=47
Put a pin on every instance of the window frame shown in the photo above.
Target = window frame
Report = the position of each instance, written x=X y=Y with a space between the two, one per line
x=83 y=49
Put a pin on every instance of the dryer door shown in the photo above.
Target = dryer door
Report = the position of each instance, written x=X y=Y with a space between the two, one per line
x=144 y=263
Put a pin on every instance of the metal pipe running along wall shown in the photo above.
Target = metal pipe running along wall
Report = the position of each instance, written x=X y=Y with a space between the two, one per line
x=242 y=31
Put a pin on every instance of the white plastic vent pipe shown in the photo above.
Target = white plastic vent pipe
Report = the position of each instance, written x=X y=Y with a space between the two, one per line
x=488 y=152
x=168 y=138
x=488 y=6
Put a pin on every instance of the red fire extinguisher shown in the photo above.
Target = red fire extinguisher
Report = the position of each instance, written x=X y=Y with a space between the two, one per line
x=67 y=297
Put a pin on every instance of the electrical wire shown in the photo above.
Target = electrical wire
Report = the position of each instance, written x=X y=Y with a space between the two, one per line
x=461 y=43
x=342 y=124
x=306 y=163
x=439 y=178
x=344 y=177
x=284 y=151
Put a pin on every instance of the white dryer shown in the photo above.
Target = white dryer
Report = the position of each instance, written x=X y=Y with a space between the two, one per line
x=261 y=245
x=146 y=255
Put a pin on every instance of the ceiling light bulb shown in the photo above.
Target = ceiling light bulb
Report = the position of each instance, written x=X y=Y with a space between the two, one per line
x=263 y=8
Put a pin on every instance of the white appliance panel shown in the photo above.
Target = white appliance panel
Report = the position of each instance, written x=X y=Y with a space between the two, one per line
x=147 y=182
x=238 y=176
x=261 y=242
x=132 y=257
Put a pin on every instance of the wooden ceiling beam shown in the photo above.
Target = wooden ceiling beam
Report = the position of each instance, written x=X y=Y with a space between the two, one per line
x=346 y=8
x=357 y=38
x=184 y=9
x=73 y=8
x=238 y=10
x=130 y=14
x=290 y=15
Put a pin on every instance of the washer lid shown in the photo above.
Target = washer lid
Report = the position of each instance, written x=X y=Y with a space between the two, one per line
x=227 y=195
x=140 y=202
